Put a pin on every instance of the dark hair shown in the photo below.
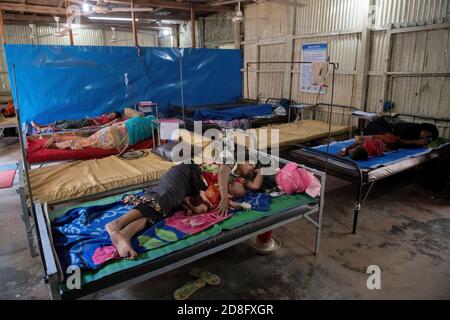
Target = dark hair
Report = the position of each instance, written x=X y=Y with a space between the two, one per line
x=360 y=154
x=430 y=128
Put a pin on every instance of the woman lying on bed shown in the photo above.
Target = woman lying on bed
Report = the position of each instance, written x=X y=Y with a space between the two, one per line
x=180 y=187
x=78 y=124
x=118 y=135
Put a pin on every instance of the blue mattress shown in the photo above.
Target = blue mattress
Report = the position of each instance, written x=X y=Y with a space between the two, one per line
x=244 y=111
x=388 y=158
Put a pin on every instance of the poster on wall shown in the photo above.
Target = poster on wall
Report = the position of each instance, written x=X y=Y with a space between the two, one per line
x=311 y=52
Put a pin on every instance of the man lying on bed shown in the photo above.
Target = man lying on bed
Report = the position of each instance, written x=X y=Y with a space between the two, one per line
x=77 y=124
x=381 y=136
x=180 y=187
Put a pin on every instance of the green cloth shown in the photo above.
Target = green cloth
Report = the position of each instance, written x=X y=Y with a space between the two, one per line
x=278 y=205
x=140 y=128
x=437 y=143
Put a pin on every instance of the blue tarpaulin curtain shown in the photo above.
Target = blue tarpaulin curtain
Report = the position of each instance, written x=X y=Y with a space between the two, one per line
x=74 y=82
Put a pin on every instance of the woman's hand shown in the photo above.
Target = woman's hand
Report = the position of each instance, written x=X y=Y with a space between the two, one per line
x=223 y=207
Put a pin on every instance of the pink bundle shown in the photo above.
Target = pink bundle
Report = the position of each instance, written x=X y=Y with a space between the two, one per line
x=292 y=179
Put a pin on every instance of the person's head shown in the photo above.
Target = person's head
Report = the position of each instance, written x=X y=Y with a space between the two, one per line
x=236 y=190
x=114 y=115
x=359 y=154
x=246 y=169
x=429 y=130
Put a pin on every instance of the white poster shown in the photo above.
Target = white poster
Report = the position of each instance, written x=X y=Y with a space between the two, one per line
x=311 y=52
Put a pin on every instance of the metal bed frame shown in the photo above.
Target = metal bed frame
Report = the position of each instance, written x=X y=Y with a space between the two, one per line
x=349 y=170
x=52 y=275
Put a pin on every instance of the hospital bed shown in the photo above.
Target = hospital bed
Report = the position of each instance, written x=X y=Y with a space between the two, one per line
x=6 y=124
x=221 y=116
x=124 y=273
x=58 y=183
x=360 y=173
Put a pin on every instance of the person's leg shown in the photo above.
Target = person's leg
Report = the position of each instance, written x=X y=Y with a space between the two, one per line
x=122 y=239
x=124 y=220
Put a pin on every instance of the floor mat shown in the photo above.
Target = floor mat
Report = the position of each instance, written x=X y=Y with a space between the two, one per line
x=7 y=174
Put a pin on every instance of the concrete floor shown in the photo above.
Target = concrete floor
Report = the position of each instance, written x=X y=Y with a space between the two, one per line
x=403 y=229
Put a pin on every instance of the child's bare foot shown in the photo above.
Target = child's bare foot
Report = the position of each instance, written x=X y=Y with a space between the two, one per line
x=122 y=245
x=111 y=227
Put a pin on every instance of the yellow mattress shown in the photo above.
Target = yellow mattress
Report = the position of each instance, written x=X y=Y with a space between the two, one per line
x=194 y=138
x=8 y=122
x=292 y=133
x=72 y=180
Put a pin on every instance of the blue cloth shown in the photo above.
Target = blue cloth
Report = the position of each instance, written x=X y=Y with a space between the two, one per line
x=101 y=79
x=8 y=167
x=258 y=201
x=376 y=162
x=245 y=111
x=140 y=128
x=80 y=232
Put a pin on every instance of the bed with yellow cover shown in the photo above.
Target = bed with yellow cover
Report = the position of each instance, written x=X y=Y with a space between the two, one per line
x=74 y=180
x=291 y=133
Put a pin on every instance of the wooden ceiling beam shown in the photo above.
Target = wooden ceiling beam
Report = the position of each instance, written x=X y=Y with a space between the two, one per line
x=183 y=6
x=20 y=19
x=18 y=7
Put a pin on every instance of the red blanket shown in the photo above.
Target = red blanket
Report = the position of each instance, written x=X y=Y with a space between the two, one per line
x=37 y=153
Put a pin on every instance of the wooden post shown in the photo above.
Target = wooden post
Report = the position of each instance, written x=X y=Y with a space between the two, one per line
x=193 y=24
x=364 y=55
x=133 y=23
x=2 y=29
x=70 y=27
x=289 y=55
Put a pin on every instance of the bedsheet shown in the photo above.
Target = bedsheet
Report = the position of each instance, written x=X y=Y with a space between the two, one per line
x=240 y=218
x=72 y=180
x=387 y=159
x=36 y=152
x=244 y=111
x=292 y=133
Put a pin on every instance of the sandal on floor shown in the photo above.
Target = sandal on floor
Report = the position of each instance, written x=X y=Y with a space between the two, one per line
x=188 y=289
x=210 y=278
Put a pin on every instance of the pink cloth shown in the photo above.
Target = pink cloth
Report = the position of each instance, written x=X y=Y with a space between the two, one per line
x=292 y=179
x=104 y=254
x=195 y=223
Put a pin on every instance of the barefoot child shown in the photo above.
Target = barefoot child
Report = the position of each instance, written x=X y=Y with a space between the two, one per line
x=175 y=189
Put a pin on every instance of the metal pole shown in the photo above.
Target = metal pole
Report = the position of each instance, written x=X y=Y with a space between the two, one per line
x=182 y=89
x=22 y=142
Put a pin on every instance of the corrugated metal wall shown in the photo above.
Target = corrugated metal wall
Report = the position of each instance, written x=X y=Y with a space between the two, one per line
x=20 y=34
x=341 y=23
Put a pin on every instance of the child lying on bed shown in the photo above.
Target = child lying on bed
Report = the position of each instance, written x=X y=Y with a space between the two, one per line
x=78 y=124
x=376 y=145
x=176 y=189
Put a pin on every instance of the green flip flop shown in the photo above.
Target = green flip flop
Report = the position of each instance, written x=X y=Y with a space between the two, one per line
x=188 y=289
x=210 y=278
